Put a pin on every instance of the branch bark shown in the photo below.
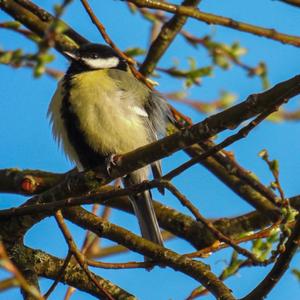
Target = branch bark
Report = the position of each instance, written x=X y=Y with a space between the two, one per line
x=279 y=268
x=219 y=20
x=166 y=36
x=164 y=256
x=46 y=265
x=292 y=2
x=38 y=20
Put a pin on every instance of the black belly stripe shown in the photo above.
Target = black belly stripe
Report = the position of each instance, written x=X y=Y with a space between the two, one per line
x=87 y=156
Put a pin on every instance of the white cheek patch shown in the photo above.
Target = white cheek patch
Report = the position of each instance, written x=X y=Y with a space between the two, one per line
x=101 y=63
x=139 y=111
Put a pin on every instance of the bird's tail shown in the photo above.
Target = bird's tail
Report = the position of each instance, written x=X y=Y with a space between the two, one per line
x=143 y=209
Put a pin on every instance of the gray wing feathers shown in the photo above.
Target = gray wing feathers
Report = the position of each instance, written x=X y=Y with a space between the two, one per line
x=158 y=112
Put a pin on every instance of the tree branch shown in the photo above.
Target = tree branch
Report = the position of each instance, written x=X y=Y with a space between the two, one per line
x=219 y=20
x=27 y=280
x=38 y=21
x=102 y=292
x=166 y=36
x=49 y=266
x=170 y=219
x=279 y=268
x=194 y=269
x=292 y=2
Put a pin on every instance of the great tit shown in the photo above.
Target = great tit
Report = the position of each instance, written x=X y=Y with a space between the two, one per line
x=100 y=109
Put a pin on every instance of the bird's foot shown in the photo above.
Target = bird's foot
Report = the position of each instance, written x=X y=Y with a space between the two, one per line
x=111 y=161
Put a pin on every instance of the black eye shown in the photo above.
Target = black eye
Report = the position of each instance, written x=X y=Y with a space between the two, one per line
x=94 y=55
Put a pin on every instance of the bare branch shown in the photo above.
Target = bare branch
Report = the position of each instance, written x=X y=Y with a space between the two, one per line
x=279 y=268
x=164 y=39
x=73 y=274
x=59 y=276
x=30 y=289
x=194 y=269
x=38 y=21
x=79 y=256
x=219 y=20
x=292 y=2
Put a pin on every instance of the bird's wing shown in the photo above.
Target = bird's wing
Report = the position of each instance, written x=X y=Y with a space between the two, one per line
x=158 y=112
x=151 y=107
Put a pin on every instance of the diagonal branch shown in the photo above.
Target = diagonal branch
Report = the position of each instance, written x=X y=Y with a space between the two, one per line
x=279 y=268
x=29 y=15
x=228 y=119
x=79 y=256
x=292 y=2
x=166 y=36
x=164 y=256
x=219 y=235
x=59 y=276
x=102 y=30
x=242 y=133
x=219 y=20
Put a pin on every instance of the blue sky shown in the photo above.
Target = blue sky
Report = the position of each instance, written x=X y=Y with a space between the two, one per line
x=27 y=142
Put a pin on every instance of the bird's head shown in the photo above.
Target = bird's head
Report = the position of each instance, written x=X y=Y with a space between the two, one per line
x=95 y=57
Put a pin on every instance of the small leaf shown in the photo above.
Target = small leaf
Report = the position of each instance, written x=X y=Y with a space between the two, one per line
x=5 y=57
x=58 y=9
x=263 y=154
x=226 y=99
x=192 y=62
x=60 y=27
x=237 y=51
x=221 y=61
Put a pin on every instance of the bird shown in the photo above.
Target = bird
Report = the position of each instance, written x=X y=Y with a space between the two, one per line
x=99 y=110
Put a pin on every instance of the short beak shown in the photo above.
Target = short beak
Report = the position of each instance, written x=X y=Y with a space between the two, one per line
x=71 y=55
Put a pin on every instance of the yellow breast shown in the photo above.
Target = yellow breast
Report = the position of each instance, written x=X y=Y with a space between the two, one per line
x=106 y=115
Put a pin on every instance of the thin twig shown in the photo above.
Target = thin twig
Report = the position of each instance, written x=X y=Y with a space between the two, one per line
x=89 y=240
x=78 y=255
x=258 y=235
x=219 y=235
x=161 y=18
x=166 y=36
x=195 y=269
x=242 y=133
x=219 y=20
x=59 y=276
x=103 y=32
x=279 y=268
x=127 y=265
x=119 y=249
x=8 y=283
x=26 y=33
x=106 y=37
x=275 y=172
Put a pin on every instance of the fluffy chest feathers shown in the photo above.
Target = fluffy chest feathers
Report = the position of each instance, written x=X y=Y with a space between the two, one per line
x=111 y=119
